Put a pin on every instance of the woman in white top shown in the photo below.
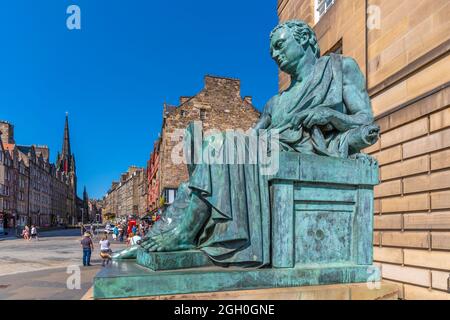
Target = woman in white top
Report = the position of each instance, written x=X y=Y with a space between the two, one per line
x=105 y=250
x=134 y=240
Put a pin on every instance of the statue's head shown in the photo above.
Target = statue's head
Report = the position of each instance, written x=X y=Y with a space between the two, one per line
x=290 y=41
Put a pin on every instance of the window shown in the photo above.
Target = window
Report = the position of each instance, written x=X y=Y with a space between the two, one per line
x=4 y=190
x=321 y=7
x=202 y=114
x=169 y=195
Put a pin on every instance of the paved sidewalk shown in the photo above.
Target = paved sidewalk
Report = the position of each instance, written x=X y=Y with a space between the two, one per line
x=49 y=284
x=38 y=269
x=54 y=249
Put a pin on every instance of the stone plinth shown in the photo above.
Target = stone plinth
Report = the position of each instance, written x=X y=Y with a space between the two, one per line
x=356 y=291
x=172 y=260
x=321 y=212
x=128 y=279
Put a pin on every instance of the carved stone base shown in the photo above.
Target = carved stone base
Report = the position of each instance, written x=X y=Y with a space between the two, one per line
x=355 y=291
x=125 y=279
x=173 y=260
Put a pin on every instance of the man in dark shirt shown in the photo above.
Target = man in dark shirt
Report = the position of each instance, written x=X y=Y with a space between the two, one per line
x=88 y=247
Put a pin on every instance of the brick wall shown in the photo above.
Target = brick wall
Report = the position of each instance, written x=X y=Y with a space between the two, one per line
x=223 y=108
x=408 y=72
x=412 y=203
x=333 y=28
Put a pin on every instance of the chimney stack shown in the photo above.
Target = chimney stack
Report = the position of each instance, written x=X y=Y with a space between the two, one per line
x=248 y=99
x=7 y=132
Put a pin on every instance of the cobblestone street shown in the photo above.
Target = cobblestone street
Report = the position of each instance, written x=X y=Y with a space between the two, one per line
x=38 y=269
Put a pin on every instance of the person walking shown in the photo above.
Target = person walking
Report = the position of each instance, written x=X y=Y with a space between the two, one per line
x=105 y=250
x=129 y=237
x=121 y=232
x=115 y=233
x=88 y=247
x=26 y=233
x=34 y=234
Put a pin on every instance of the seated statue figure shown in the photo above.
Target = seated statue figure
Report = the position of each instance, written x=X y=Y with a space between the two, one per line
x=326 y=111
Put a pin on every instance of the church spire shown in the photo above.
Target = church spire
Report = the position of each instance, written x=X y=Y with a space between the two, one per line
x=85 y=195
x=66 y=143
x=65 y=162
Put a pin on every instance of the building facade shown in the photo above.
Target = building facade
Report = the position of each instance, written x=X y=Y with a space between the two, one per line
x=32 y=189
x=402 y=47
x=218 y=106
x=7 y=203
x=127 y=197
x=153 y=178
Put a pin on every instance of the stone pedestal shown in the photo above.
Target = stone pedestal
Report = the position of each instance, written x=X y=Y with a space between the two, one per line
x=321 y=212
x=356 y=291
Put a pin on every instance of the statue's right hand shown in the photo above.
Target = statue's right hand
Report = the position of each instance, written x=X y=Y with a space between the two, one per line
x=298 y=118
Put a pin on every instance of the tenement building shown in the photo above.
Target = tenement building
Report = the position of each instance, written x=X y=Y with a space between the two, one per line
x=218 y=106
x=32 y=189
x=128 y=196
x=153 y=178
x=403 y=48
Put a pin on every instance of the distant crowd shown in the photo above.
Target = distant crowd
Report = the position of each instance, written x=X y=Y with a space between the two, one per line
x=132 y=230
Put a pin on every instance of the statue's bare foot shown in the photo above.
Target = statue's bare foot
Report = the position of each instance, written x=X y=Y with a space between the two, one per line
x=173 y=240
x=128 y=253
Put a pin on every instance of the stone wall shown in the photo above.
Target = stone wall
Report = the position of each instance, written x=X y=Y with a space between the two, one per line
x=218 y=105
x=408 y=76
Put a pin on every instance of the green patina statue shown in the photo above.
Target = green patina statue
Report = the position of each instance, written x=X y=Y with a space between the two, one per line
x=223 y=210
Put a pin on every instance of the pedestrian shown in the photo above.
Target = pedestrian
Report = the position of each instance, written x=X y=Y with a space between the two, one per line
x=130 y=236
x=115 y=233
x=26 y=233
x=34 y=234
x=134 y=240
x=121 y=232
x=105 y=250
x=134 y=229
x=88 y=247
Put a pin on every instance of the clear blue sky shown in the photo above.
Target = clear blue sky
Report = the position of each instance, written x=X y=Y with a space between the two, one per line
x=114 y=74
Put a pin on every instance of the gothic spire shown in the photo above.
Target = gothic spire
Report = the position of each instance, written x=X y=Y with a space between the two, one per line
x=65 y=162
x=85 y=195
x=66 y=143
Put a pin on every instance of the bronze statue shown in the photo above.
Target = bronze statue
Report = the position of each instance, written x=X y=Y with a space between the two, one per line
x=223 y=208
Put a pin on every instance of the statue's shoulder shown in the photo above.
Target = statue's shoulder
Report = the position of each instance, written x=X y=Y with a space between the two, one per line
x=349 y=65
x=351 y=72
x=271 y=104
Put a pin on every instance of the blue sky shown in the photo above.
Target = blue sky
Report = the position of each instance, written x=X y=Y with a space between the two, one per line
x=114 y=74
